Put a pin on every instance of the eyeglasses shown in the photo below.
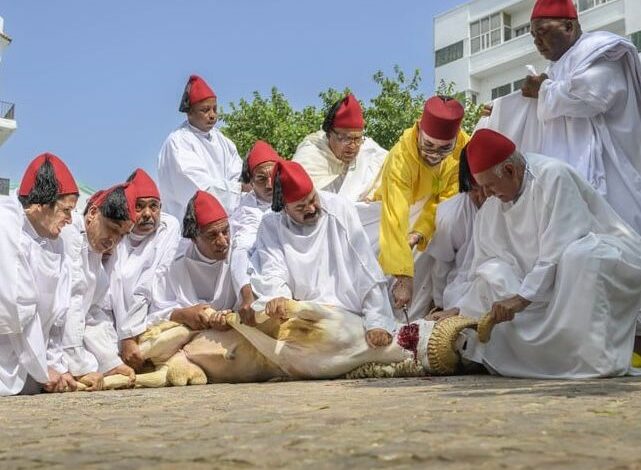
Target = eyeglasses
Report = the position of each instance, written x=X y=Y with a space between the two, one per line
x=345 y=139
x=428 y=148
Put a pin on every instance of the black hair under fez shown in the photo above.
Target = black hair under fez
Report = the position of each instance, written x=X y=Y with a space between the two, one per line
x=277 y=193
x=245 y=174
x=183 y=107
x=328 y=122
x=115 y=206
x=45 y=188
x=465 y=178
x=190 y=226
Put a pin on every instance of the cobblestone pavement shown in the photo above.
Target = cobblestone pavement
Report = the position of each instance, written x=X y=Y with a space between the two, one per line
x=474 y=422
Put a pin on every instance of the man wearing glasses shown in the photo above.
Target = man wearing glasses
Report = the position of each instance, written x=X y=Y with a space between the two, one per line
x=338 y=158
x=420 y=170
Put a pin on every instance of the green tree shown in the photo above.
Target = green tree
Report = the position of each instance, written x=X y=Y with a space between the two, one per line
x=271 y=119
x=396 y=107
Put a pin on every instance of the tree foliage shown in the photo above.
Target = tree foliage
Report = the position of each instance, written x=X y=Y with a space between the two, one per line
x=398 y=104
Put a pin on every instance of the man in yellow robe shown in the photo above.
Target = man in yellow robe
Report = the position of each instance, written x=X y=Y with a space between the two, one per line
x=422 y=168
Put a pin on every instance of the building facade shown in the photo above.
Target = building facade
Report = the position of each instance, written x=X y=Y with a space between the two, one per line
x=483 y=46
x=7 y=110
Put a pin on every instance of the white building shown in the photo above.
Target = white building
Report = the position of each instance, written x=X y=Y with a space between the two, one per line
x=7 y=110
x=483 y=45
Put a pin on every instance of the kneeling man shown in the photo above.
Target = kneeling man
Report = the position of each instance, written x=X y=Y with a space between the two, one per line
x=313 y=247
x=555 y=263
x=34 y=279
x=197 y=289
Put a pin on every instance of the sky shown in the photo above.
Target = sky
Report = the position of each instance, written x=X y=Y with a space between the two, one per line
x=98 y=82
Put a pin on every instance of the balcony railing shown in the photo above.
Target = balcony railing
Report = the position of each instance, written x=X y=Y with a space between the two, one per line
x=7 y=110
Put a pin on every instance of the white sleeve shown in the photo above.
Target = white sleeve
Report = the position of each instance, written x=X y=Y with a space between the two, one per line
x=101 y=340
x=565 y=217
x=245 y=225
x=377 y=310
x=55 y=356
x=587 y=94
x=189 y=174
x=270 y=276
x=439 y=273
x=134 y=322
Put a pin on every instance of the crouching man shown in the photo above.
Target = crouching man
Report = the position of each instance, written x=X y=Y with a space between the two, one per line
x=313 y=248
x=554 y=264
x=34 y=279
x=197 y=290
x=89 y=334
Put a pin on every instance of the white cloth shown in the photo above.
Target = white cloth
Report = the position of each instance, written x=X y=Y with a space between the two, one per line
x=561 y=246
x=193 y=279
x=354 y=181
x=244 y=224
x=589 y=113
x=329 y=263
x=137 y=266
x=89 y=285
x=34 y=296
x=452 y=249
x=190 y=160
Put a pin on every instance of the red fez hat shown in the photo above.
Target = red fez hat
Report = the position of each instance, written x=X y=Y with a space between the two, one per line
x=294 y=180
x=442 y=117
x=349 y=114
x=99 y=198
x=66 y=183
x=207 y=209
x=145 y=186
x=261 y=153
x=554 y=9
x=196 y=90
x=486 y=149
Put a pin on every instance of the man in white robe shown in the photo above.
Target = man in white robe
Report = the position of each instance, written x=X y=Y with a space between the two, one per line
x=553 y=262
x=34 y=279
x=89 y=333
x=451 y=249
x=587 y=104
x=313 y=248
x=198 y=290
x=143 y=256
x=257 y=172
x=339 y=158
x=197 y=156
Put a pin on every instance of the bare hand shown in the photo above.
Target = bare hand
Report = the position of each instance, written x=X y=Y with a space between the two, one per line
x=195 y=317
x=59 y=383
x=93 y=380
x=131 y=354
x=402 y=291
x=377 y=338
x=246 y=312
x=437 y=315
x=277 y=308
x=218 y=320
x=125 y=370
x=414 y=239
x=504 y=310
x=532 y=85
x=486 y=111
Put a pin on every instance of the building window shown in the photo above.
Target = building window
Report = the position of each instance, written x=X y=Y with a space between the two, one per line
x=448 y=54
x=518 y=84
x=587 y=4
x=501 y=91
x=490 y=31
x=521 y=30
x=636 y=40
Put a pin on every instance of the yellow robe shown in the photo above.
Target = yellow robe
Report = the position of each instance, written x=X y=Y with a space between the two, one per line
x=406 y=179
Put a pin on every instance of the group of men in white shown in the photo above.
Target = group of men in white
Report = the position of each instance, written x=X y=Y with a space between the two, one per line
x=534 y=219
